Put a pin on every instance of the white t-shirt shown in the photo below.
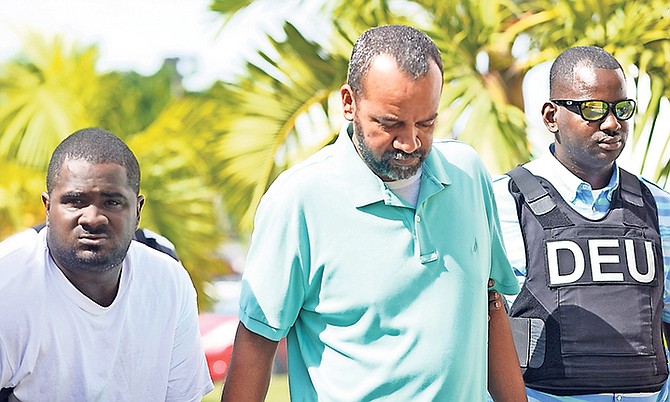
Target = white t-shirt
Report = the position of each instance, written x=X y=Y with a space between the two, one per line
x=407 y=189
x=58 y=345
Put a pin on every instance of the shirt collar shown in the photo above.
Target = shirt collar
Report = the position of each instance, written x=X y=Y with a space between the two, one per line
x=565 y=182
x=366 y=187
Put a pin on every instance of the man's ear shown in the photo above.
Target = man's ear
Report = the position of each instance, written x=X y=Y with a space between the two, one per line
x=47 y=204
x=549 y=116
x=140 y=204
x=348 y=102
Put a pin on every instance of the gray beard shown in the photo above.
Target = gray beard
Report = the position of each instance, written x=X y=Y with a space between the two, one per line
x=384 y=167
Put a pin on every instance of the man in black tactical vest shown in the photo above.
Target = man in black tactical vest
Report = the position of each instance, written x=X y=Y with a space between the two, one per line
x=586 y=238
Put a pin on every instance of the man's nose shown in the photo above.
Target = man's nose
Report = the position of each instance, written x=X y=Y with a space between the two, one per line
x=408 y=141
x=610 y=122
x=92 y=217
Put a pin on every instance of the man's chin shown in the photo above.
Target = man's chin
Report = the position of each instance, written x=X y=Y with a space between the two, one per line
x=94 y=266
x=89 y=261
x=404 y=172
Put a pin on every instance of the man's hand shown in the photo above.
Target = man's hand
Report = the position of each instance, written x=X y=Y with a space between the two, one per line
x=494 y=299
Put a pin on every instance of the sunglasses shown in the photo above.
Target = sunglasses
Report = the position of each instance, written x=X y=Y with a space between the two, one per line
x=594 y=110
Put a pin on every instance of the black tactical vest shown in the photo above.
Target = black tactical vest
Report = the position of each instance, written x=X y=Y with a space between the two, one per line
x=588 y=318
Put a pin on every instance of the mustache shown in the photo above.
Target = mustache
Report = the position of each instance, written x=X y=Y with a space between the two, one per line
x=94 y=232
x=401 y=155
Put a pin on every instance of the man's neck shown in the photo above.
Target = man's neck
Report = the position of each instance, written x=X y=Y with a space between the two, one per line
x=101 y=287
x=597 y=176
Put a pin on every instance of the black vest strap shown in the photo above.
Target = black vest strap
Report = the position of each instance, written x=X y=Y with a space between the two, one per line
x=630 y=188
x=39 y=226
x=5 y=393
x=153 y=243
x=631 y=194
x=538 y=199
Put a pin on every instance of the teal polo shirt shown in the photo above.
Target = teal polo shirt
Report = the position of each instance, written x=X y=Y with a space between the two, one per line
x=378 y=300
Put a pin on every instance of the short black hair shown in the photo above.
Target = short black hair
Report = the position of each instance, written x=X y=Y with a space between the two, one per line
x=96 y=146
x=412 y=49
x=562 y=71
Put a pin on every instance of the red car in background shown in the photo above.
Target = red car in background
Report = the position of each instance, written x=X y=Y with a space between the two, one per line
x=217 y=332
x=218 y=328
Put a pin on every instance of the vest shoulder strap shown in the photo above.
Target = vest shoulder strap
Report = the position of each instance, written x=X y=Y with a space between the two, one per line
x=538 y=199
x=630 y=188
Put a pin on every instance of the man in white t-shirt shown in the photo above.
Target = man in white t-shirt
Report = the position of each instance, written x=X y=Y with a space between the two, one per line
x=88 y=313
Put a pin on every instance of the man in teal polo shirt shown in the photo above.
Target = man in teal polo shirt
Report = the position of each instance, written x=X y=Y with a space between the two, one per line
x=373 y=256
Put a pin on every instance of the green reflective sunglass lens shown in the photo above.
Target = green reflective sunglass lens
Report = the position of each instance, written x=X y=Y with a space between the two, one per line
x=624 y=109
x=594 y=110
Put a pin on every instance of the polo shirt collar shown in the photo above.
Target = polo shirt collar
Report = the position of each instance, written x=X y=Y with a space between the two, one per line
x=367 y=188
x=435 y=167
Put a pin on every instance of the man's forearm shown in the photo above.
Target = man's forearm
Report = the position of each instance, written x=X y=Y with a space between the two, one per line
x=250 y=368
x=505 y=380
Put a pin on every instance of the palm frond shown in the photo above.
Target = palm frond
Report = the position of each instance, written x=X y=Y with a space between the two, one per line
x=44 y=98
x=258 y=142
x=181 y=202
x=20 y=205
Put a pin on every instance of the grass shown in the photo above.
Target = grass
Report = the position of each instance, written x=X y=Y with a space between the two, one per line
x=278 y=391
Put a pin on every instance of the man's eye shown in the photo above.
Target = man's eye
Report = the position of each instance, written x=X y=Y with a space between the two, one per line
x=427 y=124
x=73 y=202
x=389 y=125
x=113 y=203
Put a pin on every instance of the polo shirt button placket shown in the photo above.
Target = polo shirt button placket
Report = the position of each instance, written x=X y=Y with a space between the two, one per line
x=427 y=250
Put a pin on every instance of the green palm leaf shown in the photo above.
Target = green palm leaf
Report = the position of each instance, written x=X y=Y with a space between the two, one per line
x=181 y=203
x=44 y=98
x=20 y=205
x=262 y=136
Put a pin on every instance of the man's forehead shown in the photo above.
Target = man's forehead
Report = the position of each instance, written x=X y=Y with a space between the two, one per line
x=81 y=170
x=585 y=76
x=83 y=164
